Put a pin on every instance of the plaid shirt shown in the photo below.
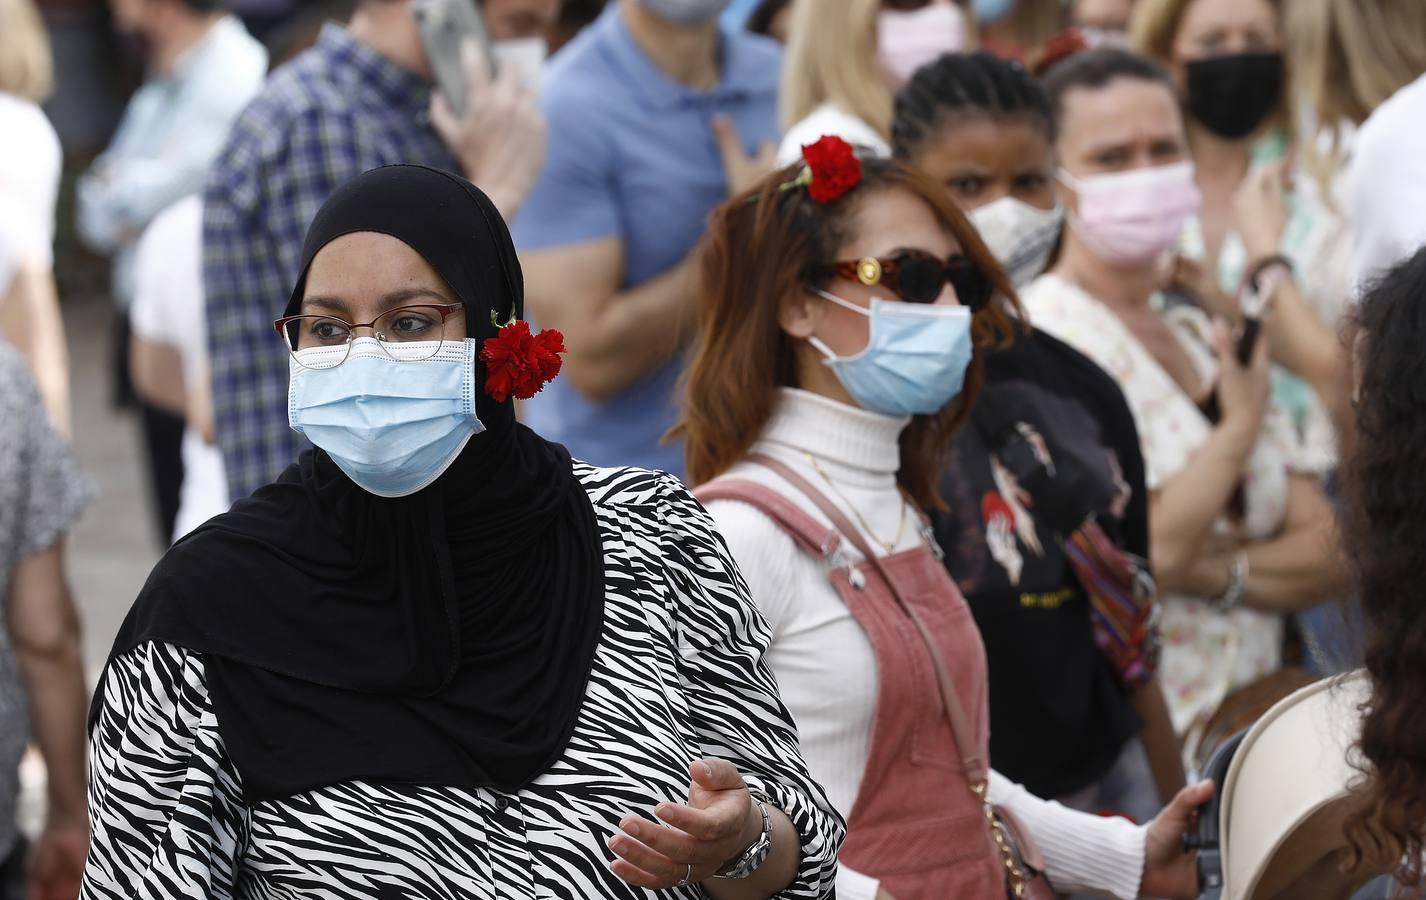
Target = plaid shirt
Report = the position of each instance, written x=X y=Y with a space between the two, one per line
x=336 y=111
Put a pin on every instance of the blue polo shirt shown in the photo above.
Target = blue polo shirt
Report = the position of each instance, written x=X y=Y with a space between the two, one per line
x=632 y=155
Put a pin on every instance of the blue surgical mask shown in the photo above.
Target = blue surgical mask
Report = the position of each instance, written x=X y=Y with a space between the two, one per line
x=915 y=359
x=988 y=12
x=687 y=12
x=392 y=423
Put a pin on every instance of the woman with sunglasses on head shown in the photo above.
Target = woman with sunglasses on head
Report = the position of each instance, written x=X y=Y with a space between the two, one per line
x=845 y=313
x=1242 y=532
x=404 y=668
x=1049 y=456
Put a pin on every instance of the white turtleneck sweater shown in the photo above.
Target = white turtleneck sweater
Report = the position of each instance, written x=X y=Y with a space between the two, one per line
x=826 y=667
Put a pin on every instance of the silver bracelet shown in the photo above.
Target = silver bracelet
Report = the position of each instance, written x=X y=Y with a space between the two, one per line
x=1232 y=596
x=752 y=858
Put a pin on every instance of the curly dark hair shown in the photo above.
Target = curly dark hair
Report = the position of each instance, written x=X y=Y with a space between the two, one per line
x=1386 y=531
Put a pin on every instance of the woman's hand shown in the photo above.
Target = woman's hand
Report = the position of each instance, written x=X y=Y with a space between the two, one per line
x=1260 y=209
x=1169 y=870
x=1243 y=391
x=57 y=862
x=716 y=826
x=1193 y=278
x=501 y=137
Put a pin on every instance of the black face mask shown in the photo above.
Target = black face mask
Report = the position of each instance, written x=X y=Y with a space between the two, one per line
x=1232 y=95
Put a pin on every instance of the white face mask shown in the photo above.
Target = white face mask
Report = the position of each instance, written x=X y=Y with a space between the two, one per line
x=906 y=41
x=1020 y=235
x=526 y=56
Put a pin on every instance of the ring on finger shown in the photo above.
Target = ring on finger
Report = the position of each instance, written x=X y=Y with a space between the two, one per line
x=688 y=878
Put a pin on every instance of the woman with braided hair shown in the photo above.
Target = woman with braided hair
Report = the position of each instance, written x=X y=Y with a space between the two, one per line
x=1050 y=447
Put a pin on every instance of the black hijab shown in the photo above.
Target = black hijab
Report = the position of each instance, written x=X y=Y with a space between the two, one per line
x=443 y=638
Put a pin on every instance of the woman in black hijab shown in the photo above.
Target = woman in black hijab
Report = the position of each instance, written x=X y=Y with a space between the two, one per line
x=437 y=658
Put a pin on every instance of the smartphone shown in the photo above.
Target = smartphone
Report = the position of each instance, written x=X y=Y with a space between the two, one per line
x=445 y=26
x=1248 y=340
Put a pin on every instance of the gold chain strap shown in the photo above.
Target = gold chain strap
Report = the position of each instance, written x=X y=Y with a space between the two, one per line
x=1015 y=875
x=900 y=528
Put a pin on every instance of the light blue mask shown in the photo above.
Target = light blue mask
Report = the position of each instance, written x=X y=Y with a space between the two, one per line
x=393 y=425
x=915 y=359
x=687 y=12
x=988 y=12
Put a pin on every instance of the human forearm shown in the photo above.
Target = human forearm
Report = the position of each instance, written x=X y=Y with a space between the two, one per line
x=1302 y=342
x=30 y=320
x=1161 y=745
x=774 y=874
x=1184 y=510
x=632 y=333
x=45 y=629
x=55 y=682
x=1296 y=570
x=157 y=373
x=1301 y=566
x=1083 y=853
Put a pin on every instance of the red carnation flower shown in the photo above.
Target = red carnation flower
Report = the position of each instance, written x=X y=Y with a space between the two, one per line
x=832 y=168
x=520 y=364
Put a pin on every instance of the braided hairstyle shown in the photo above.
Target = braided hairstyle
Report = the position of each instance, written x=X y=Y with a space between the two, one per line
x=972 y=85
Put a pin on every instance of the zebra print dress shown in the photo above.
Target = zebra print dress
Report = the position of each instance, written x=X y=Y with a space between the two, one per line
x=678 y=675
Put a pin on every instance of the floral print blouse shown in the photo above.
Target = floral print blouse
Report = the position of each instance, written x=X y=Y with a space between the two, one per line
x=1207 y=652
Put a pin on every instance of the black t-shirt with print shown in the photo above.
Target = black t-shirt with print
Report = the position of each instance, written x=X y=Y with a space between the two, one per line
x=1058 y=713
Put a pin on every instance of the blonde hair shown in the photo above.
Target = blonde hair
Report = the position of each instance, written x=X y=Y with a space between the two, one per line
x=26 y=68
x=1351 y=55
x=831 y=56
x=1034 y=23
x=1154 y=25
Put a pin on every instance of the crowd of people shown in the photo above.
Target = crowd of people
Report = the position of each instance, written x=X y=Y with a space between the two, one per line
x=882 y=448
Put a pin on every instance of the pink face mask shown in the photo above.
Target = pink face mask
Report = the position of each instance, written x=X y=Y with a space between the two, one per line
x=1129 y=218
x=906 y=41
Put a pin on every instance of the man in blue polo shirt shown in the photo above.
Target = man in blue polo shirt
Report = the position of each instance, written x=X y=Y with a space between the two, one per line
x=655 y=117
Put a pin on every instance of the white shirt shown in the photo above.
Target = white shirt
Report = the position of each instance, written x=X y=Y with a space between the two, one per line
x=824 y=663
x=168 y=309
x=30 y=162
x=1387 y=184
x=829 y=118
x=173 y=128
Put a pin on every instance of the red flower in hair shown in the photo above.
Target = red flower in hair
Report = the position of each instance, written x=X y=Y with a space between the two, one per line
x=832 y=168
x=520 y=364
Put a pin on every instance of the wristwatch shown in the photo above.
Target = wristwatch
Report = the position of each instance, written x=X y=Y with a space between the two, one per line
x=752 y=858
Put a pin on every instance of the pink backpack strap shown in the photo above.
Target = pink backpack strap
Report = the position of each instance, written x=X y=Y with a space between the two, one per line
x=814 y=537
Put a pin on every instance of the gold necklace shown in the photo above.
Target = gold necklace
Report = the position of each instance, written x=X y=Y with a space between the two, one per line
x=900 y=529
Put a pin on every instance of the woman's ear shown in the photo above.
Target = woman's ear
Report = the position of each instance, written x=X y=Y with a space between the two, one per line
x=800 y=313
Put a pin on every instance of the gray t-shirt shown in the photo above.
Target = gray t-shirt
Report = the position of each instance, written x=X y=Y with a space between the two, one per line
x=42 y=493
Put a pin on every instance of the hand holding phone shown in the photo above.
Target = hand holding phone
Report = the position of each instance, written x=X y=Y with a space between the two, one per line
x=1248 y=340
x=448 y=28
x=499 y=141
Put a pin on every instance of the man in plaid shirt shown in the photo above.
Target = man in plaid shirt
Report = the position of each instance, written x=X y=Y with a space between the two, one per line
x=359 y=99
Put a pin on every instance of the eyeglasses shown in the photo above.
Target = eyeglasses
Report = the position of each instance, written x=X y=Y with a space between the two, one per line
x=918 y=277
x=403 y=325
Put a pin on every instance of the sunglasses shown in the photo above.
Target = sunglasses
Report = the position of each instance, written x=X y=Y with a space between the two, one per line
x=916 y=276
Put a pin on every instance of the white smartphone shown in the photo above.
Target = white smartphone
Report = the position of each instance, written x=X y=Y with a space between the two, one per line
x=445 y=26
